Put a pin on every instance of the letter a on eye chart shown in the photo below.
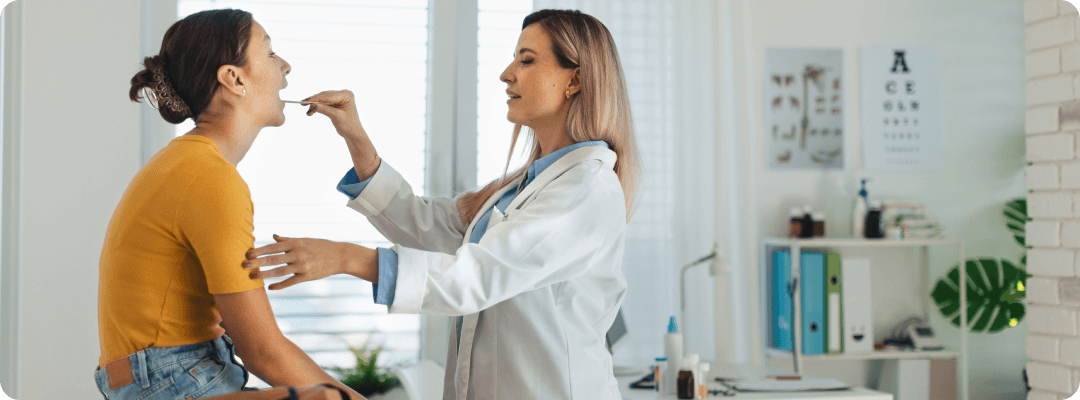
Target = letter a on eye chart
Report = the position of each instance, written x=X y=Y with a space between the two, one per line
x=901 y=113
x=1075 y=396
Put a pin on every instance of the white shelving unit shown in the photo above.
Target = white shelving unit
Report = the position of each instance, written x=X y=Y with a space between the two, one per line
x=796 y=246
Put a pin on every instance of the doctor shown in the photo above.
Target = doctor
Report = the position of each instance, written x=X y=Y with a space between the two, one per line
x=530 y=266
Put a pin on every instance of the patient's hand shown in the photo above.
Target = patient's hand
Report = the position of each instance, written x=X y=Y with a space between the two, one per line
x=310 y=259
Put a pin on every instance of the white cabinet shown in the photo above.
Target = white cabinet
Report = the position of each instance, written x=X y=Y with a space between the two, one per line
x=797 y=246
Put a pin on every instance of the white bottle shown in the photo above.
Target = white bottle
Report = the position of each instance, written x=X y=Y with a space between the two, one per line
x=673 y=350
x=702 y=379
x=838 y=208
x=660 y=374
x=858 y=216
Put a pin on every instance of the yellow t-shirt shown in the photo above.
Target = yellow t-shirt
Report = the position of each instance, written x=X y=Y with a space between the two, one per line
x=179 y=234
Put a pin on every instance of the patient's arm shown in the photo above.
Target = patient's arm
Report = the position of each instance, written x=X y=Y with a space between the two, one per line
x=266 y=352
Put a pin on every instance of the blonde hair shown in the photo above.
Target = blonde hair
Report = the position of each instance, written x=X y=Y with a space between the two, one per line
x=600 y=111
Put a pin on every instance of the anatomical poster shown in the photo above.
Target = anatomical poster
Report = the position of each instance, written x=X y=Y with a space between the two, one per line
x=901 y=110
x=804 y=108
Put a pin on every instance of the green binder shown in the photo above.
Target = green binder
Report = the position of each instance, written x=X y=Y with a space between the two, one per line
x=834 y=332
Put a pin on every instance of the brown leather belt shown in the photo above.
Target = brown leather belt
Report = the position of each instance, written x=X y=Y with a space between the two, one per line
x=119 y=371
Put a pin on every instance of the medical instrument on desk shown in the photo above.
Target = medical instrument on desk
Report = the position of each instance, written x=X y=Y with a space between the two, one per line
x=913 y=333
x=723 y=392
x=728 y=390
x=714 y=270
x=304 y=103
x=682 y=277
x=646 y=382
x=783 y=377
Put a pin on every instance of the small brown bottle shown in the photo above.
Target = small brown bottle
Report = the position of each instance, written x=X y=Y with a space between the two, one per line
x=795 y=227
x=685 y=384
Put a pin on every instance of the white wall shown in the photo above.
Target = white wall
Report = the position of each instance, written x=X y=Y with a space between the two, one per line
x=982 y=93
x=80 y=148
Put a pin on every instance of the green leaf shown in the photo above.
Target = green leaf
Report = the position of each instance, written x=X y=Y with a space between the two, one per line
x=1001 y=321
x=993 y=298
x=1016 y=310
x=366 y=378
x=1015 y=217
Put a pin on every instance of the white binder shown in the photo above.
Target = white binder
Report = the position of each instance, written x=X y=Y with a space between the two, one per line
x=858 y=311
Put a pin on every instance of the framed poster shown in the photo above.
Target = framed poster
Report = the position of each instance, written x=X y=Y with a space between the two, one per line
x=901 y=108
x=804 y=108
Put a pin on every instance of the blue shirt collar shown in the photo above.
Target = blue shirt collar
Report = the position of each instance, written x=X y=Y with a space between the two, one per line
x=538 y=166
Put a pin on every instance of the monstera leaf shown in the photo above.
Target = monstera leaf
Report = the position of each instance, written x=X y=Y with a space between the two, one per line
x=995 y=294
x=1015 y=217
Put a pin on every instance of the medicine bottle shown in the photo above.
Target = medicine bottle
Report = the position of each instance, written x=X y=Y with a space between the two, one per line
x=873 y=226
x=686 y=387
x=819 y=224
x=807 y=223
x=795 y=227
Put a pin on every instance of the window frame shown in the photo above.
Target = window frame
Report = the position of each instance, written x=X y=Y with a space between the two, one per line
x=11 y=106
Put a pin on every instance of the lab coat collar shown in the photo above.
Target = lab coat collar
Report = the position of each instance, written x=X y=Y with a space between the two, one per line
x=578 y=155
x=564 y=163
x=544 y=162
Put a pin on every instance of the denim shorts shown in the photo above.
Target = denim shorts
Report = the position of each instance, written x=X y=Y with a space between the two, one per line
x=176 y=373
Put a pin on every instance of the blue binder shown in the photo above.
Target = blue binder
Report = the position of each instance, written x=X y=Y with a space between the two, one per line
x=782 y=317
x=812 y=297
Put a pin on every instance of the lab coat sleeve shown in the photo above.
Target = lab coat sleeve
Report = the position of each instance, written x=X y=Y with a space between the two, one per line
x=425 y=223
x=553 y=239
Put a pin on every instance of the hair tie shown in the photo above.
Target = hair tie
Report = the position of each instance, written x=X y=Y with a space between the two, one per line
x=164 y=93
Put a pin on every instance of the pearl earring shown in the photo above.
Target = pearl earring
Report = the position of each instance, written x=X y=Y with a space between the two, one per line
x=245 y=92
x=568 y=94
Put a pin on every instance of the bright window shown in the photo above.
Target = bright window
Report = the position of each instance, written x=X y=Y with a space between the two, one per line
x=499 y=24
x=379 y=50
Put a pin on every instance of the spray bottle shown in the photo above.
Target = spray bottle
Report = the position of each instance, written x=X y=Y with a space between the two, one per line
x=673 y=350
x=858 y=216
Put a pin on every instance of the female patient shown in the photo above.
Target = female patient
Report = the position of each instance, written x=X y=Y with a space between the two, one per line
x=171 y=284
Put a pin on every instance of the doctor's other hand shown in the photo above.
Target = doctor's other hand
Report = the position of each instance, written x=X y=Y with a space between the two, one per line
x=309 y=259
x=341 y=109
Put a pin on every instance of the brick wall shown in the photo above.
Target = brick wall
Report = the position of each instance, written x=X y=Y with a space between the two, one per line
x=1052 y=125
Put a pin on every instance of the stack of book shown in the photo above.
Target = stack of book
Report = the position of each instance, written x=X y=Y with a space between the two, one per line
x=910 y=219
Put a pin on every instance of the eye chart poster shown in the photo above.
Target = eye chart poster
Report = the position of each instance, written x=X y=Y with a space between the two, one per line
x=901 y=110
x=804 y=109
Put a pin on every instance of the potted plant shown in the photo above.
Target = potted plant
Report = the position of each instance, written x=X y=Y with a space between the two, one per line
x=367 y=378
x=995 y=286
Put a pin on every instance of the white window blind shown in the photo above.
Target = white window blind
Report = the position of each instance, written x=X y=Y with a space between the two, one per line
x=379 y=50
x=499 y=25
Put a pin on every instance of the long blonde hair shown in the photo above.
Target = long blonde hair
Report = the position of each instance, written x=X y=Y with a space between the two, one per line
x=599 y=111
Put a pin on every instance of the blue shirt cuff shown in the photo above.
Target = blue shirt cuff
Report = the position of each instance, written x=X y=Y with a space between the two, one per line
x=388 y=263
x=350 y=185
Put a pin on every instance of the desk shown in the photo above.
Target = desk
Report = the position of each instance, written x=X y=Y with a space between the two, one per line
x=851 y=394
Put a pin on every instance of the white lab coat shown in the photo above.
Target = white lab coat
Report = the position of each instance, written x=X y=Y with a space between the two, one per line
x=538 y=292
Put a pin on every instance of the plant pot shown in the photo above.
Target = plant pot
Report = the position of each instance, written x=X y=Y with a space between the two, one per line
x=397 y=393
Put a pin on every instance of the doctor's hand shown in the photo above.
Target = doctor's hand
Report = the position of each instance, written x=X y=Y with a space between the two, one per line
x=309 y=259
x=341 y=109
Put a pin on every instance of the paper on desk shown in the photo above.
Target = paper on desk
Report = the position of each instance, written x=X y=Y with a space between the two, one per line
x=770 y=385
